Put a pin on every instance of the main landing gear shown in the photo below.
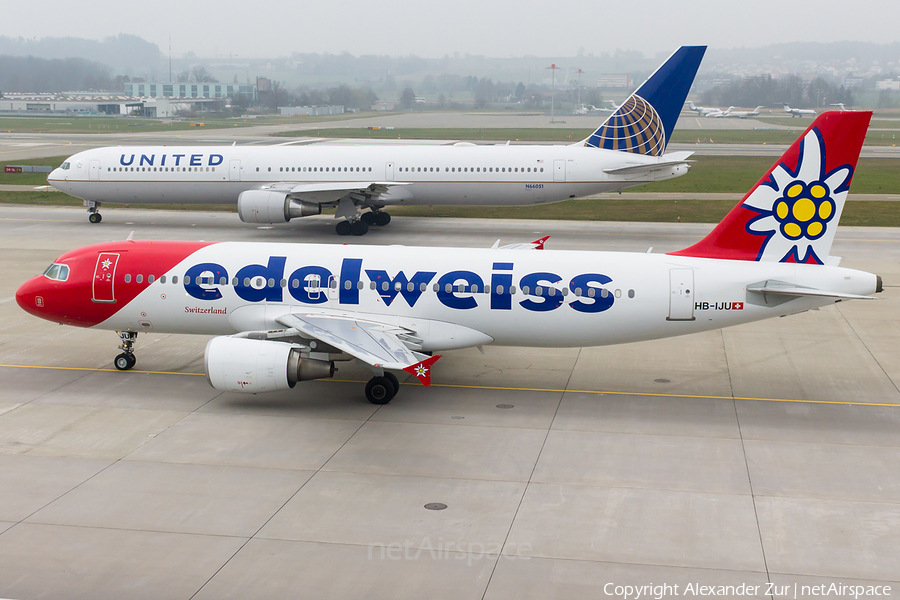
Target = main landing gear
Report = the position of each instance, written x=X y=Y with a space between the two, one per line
x=126 y=360
x=94 y=210
x=361 y=225
x=381 y=389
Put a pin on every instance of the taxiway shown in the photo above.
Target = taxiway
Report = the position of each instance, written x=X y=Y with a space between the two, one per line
x=763 y=453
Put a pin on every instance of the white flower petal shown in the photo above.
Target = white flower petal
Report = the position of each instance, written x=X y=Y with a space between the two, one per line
x=811 y=164
x=837 y=179
x=762 y=198
x=781 y=177
x=764 y=225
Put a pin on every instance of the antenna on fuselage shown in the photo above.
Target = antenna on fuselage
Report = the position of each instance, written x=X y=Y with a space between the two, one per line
x=130 y=237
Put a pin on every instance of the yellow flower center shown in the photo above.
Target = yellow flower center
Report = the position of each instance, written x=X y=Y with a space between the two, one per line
x=825 y=210
x=804 y=209
x=795 y=190
x=814 y=229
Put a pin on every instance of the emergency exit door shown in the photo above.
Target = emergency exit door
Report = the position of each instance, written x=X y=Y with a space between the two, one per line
x=681 y=295
x=234 y=170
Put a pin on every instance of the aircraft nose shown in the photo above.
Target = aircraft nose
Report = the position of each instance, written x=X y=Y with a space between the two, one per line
x=31 y=297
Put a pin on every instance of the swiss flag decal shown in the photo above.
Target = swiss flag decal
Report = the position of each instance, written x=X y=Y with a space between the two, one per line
x=422 y=370
x=737 y=306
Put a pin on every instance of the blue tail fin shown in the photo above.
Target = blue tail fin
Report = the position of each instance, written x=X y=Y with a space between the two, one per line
x=643 y=124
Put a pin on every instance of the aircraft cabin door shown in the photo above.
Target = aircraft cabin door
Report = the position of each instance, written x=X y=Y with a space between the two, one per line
x=234 y=170
x=389 y=171
x=104 y=276
x=559 y=171
x=681 y=295
x=94 y=170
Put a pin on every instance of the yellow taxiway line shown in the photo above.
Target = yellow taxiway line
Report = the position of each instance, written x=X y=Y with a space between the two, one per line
x=502 y=388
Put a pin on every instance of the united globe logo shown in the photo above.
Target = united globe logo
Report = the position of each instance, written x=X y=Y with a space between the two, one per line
x=635 y=127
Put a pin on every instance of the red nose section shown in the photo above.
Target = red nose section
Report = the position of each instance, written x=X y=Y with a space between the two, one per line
x=96 y=286
x=31 y=296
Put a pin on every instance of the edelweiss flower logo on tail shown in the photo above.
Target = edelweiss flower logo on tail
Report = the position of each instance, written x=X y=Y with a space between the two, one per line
x=798 y=210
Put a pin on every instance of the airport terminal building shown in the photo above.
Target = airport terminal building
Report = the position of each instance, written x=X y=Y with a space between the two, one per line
x=190 y=90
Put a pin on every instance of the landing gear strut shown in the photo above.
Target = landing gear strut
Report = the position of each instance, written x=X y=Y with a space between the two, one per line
x=94 y=210
x=126 y=360
x=380 y=390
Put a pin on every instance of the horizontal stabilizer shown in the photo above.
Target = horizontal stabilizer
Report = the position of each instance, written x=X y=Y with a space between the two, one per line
x=673 y=158
x=787 y=289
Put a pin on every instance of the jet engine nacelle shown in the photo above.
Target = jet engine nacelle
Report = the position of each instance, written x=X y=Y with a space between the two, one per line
x=254 y=366
x=266 y=206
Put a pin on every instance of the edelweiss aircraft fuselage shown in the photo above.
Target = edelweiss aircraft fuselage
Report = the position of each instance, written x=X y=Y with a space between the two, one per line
x=450 y=299
x=277 y=183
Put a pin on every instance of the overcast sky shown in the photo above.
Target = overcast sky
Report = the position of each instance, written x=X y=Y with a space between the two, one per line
x=500 y=28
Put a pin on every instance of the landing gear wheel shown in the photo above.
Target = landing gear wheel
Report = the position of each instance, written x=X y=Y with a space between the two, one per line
x=359 y=228
x=382 y=218
x=394 y=381
x=369 y=217
x=95 y=217
x=343 y=228
x=380 y=390
x=125 y=361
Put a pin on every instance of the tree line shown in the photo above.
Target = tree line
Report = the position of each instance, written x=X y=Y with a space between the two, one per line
x=28 y=74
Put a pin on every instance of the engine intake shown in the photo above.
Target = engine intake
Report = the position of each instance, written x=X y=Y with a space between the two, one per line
x=266 y=206
x=254 y=366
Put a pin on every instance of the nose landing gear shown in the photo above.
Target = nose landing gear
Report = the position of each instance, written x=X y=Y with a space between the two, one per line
x=126 y=360
x=94 y=210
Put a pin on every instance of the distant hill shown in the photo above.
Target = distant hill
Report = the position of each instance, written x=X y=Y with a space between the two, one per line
x=27 y=74
x=125 y=54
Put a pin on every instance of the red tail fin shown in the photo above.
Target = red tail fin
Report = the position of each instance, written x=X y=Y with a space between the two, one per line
x=791 y=214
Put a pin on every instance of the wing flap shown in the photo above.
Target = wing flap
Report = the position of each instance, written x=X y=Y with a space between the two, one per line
x=377 y=344
x=324 y=192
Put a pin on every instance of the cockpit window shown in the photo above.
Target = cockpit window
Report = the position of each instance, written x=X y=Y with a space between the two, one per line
x=65 y=166
x=57 y=272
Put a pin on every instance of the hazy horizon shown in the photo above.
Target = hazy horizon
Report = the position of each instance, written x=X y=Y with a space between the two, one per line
x=500 y=30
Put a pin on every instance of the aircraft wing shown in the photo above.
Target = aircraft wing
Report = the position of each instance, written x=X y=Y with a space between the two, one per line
x=377 y=344
x=788 y=289
x=332 y=191
x=672 y=158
